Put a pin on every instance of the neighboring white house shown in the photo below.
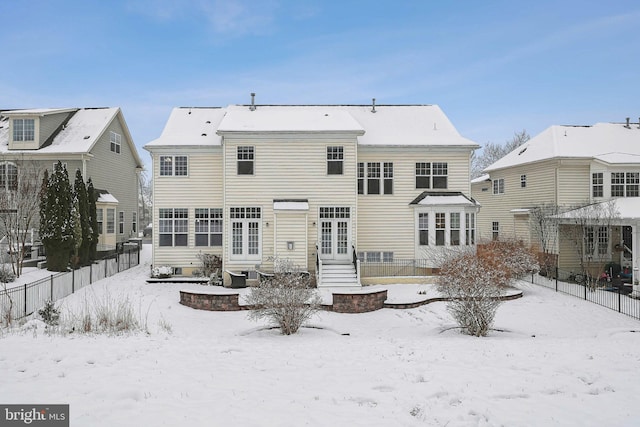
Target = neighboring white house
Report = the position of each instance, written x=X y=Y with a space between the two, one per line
x=94 y=140
x=319 y=184
x=565 y=166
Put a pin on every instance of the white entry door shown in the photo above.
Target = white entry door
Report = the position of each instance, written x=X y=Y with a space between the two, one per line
x=334 y=234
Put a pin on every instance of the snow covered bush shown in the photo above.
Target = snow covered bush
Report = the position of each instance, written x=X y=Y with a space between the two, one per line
x=161 y=272
x=286 y=300
x=49 y=313
x=6 y=274
x=473 y=283
x=472 y=288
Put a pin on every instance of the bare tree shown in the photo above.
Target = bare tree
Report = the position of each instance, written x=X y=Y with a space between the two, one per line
x=588 y=228
x=544 y=224
x=19 y=206
x=146 y=199
x=492 y=152
x=287 y=299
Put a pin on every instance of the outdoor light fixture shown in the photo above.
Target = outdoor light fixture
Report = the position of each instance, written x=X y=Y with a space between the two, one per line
x=290 y=246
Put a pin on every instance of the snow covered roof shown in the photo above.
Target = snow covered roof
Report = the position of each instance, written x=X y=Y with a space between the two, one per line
x=106 y=198
x=191 y=126
x=417 y=125
x=37 y=111
x=291 y=205
x=612 y=143
x=620 y=208
x=482 y=178
x=77 y=136
x=288 y=118
x=431 y=198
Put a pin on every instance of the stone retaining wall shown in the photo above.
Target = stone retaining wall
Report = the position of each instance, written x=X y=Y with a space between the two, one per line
x=359 y=302
x=211 y=301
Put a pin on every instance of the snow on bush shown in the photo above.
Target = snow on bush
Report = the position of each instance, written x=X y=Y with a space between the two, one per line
x=286 y=300
x=473 y=283
x=161 y=272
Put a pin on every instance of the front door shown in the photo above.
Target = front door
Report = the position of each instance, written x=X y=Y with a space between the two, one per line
x=334 y=234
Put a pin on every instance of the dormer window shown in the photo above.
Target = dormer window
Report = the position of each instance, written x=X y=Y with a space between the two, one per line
x=24 y=129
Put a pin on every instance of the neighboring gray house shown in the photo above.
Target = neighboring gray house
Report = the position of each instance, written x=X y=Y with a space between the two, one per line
x=96 y=141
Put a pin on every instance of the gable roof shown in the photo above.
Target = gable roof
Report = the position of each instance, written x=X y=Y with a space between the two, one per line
x=611 y=143
x=78 y=135
x=394 y=125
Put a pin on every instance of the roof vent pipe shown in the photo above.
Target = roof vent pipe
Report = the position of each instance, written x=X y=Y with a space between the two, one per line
x=373 y=105
x=253 y=102
x=638 y=122
x=627 y=125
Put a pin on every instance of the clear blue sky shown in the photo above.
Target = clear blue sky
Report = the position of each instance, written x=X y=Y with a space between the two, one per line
x=494 y=67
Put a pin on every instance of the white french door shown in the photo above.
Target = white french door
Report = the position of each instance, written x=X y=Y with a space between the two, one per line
x=335 y=242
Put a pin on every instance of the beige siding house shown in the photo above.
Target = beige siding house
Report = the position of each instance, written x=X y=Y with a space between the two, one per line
x=565 y=166
x=95 y=141
x=327 y=186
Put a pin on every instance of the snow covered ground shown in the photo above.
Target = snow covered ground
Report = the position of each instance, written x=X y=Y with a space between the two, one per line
x=553 y=360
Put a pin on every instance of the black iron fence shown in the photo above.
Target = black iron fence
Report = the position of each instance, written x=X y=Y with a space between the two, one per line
x=395 y=268
x=25 y=299
x=610 y=293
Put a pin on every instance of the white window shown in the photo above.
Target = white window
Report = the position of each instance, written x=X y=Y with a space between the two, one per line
x=111 y=221
x=208 y=227
x=246 y=157
x=120 y=222
x=134 y=222
x=498 y=186
x=470 y=228
x=373 y=257
x=597 y=184
x=625 y=184
x=633 y=181
x=245 y=232
x=495 y=230
x=432 y=175
x=454 y=228
x=8 y=176
x=523 y=181
x=603 y=240
x=423 y=228
x=99 y=220
x=335 y=160
x=440 y=228
x=173 y=166
x=173 y=226
x=23 y=129
x=379 y=178
x=115 y=141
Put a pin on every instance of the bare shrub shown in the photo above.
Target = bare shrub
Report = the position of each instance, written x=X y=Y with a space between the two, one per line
x=474 y=283
x=209 y=263
x=511 y=256
x=104 y=315
x=286 y=300
x=6 y=306
x=472 y=288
